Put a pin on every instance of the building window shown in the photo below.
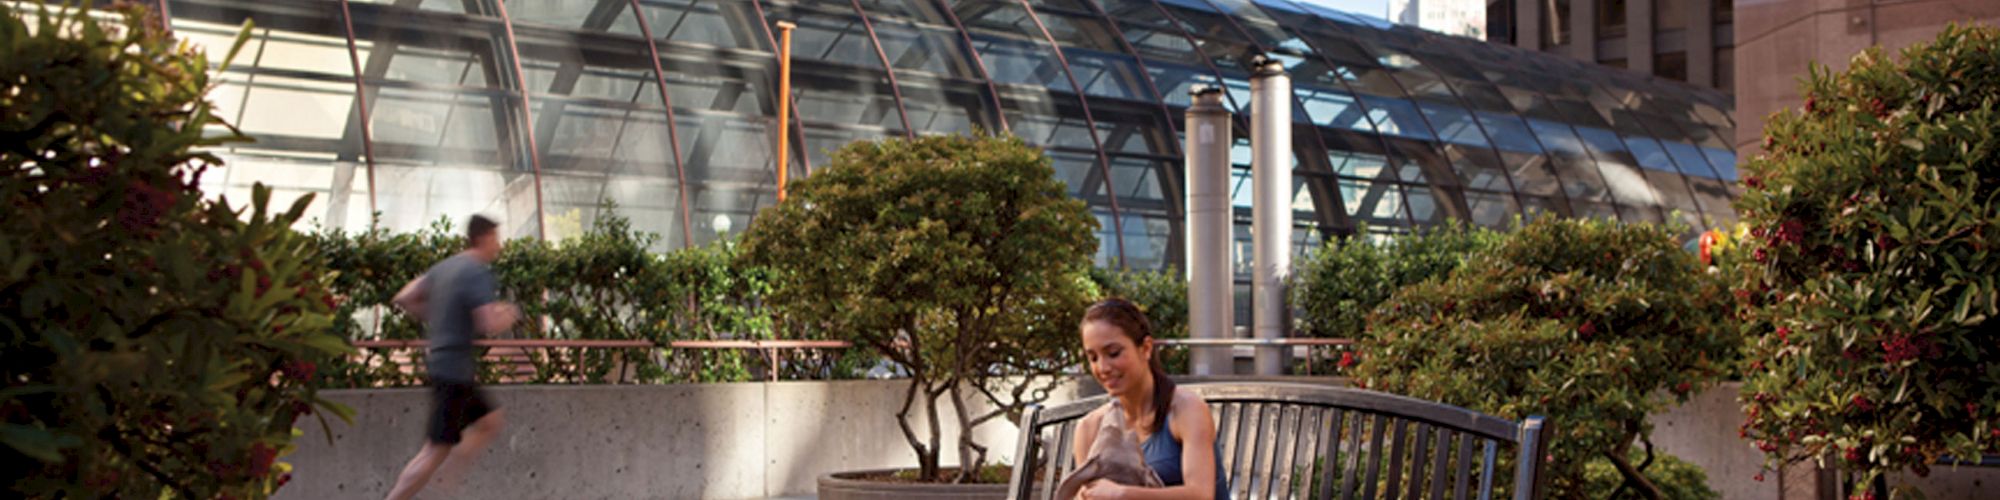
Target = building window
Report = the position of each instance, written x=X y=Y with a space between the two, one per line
x=1610 y=18
x=1725 y=10
x=1555 y=24
x=1615 y=63
x=1672 y=65
x=1500 y=22
x=1670 y=15
x=1725 y=69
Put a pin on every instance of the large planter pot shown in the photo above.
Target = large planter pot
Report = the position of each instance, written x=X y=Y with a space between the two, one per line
x=856 y=485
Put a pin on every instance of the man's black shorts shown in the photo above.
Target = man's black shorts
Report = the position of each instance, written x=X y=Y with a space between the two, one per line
x=456 y=405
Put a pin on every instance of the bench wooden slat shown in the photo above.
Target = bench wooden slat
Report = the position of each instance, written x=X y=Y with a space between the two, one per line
x=1064 y=458
x=1440 y=467
x=1465 y=467
x=1330 y=449
x=1350 y=483
x=1285 y=455
x=1486 y=471
x=1261 y=445
x=1419 y=460
x=1299 y=474
x=1396 y=447
x=1377 y=430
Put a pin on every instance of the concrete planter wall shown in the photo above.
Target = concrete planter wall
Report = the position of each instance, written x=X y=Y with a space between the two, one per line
x=757 y=440
x=850 y=486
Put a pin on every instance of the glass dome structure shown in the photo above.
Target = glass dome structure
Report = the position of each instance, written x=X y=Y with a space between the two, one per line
x=535 y=111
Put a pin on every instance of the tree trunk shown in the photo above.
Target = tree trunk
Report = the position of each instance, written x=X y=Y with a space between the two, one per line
x=1632 y=475
x=971 y=456
x=927 y=462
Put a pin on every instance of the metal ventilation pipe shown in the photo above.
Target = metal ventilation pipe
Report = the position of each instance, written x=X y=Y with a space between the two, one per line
x=1271 y=209
x=1209 y=282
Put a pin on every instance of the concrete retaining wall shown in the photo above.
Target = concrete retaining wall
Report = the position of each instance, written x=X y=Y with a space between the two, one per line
x=757 y=440
x=749 y=440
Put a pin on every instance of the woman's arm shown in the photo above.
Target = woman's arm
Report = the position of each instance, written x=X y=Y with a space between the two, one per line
x=1194 y=425
x=1086 y=433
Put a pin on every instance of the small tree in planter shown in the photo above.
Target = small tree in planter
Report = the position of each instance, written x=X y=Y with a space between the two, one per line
x=1871 y=282
x=960 y=259
x=159 y=345
x=1589 y=323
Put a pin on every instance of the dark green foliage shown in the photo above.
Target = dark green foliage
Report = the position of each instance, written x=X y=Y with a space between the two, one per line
x=156 y=345
x=1589 y=323
x=1871 y=285
x=1337 y=286
x=1678 y=479
x=603 y=284
x=1162 y=295
x=960 y=259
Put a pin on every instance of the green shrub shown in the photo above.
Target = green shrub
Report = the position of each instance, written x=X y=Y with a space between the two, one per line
x=602 y=284
x=960 y=259
x=1589 y=323
x=1678 y=479
x=1872 y=283
x=1337 y=286
x=158 y=345
x=1162 y=295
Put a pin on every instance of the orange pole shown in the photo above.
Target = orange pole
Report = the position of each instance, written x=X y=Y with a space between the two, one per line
x=784 y=99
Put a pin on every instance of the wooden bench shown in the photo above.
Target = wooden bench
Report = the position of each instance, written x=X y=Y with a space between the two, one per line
x=1287 y=440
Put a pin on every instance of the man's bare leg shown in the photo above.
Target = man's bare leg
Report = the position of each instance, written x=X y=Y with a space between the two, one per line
x=476 y=439
x=419 y=470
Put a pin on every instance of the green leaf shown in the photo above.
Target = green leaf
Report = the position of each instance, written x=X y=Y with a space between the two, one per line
x=236 y=46
x=37 y=442
x=329 y=344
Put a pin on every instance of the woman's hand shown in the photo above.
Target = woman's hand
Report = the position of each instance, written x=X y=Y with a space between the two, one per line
x=1103 y=490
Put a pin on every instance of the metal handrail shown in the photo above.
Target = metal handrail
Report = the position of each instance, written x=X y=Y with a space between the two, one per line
x=1286 y=341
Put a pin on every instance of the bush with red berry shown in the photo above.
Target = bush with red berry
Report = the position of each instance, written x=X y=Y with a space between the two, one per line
x=1872 y=280
x=156 y=344
x=1592 y=324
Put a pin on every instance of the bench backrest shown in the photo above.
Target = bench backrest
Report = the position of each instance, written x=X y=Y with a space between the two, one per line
x=1285 y=440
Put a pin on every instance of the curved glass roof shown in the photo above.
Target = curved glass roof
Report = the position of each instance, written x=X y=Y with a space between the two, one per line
x=535 y=110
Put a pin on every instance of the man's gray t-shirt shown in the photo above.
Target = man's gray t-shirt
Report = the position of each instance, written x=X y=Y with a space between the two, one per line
x=457 y=287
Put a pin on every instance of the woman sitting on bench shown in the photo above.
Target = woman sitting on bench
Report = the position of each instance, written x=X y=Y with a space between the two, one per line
x=1174 y=426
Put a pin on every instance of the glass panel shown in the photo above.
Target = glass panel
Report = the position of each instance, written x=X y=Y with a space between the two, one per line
x=932 y=110
x=1714 y=198
x=1373 y=202
x=1454 y=124
x=1690 y=159
x=1333 y=108
x=1020 y=62
x=717 y=23
x=911 y=47
x=1175 y=81
x=1532 y=174
x=1571 y=160
x=1477 y=168
x=1493 y=210
x=1398 y=117
x=1724 y=162
x=1107 y=75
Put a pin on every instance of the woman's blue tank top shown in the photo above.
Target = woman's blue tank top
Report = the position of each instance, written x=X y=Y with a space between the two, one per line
x=1163 y=454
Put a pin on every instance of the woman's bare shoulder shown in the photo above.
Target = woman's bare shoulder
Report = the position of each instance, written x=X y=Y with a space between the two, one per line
x=1186 y=396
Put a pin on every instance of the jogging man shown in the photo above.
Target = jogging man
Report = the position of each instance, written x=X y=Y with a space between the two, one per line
x=456 y=299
